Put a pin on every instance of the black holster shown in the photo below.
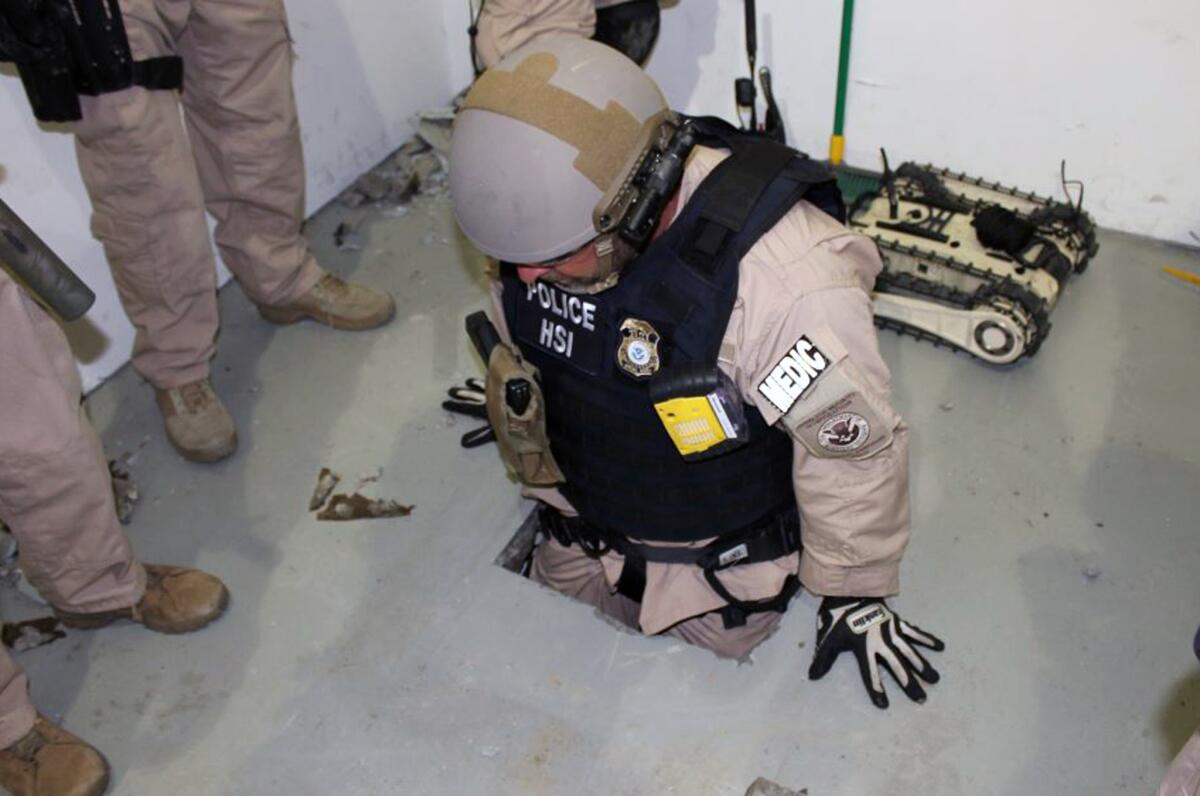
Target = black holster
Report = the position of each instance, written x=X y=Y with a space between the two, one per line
x=65 y=48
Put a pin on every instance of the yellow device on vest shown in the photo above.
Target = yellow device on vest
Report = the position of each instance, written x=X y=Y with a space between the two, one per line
x=692 y=423
x=701 y=410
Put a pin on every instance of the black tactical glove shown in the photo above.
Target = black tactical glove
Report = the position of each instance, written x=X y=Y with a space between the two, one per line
x=471 y=400
x=879 y=639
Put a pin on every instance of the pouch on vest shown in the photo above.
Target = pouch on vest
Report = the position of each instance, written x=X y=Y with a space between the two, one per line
x=701 y=409
x=517 y=412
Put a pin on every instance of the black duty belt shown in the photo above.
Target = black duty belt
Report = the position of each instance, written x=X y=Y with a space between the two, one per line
x=767 y=539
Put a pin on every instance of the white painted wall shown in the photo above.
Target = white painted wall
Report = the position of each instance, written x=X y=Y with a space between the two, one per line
x=1002 y=90
x=363 y=67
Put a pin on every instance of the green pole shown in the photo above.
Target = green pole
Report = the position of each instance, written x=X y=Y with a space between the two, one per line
x=837 y=142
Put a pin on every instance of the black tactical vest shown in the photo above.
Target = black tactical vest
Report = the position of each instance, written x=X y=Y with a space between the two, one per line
x=623 y=473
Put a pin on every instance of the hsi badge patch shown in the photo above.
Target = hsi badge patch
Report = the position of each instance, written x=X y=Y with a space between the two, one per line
x=638 y=353
x=794 y=374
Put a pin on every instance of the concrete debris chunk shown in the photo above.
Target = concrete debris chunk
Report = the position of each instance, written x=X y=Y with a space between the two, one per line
x=352 y=197
x=392 y=181
x=765 y=787
x=411 y=147
x=397 y=179
x=434 y=127
x=418 y=166
x=374 y=185
x=426 y=166
x=32 y=633
x=346 y=239
x=327 y=480
x=361 y=507
x=125 y=491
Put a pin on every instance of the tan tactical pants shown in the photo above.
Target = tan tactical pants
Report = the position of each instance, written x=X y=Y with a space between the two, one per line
x=240 y=158
x=570 y=571
x=55 y=494
x=507 y=25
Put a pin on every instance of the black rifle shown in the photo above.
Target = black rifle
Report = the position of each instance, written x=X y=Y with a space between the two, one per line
x=42 y=271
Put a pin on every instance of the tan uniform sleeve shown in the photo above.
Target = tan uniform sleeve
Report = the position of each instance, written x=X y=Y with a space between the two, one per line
x=808 y=358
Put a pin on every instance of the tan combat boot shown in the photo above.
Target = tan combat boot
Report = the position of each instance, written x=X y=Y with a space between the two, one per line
x=177 y=600
x=49 y=761
x=336 y=303
x=198 y=424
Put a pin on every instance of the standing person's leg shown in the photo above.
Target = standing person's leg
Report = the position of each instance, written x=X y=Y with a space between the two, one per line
x=50 y=467
x=148 y=211
x=55 y=492
x=56 y=498
x=241 y=116
x=507 y=25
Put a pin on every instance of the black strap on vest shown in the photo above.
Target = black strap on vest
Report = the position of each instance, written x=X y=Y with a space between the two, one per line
x=735 y=196
x=737 y=185
x=767 y=539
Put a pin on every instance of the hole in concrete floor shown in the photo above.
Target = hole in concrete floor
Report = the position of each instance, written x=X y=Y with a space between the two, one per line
x=515 y=555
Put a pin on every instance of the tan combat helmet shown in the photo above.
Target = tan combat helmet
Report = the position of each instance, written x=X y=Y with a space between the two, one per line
x=545 y=145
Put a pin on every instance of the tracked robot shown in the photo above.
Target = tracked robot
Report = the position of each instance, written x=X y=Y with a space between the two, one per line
x=967 y=263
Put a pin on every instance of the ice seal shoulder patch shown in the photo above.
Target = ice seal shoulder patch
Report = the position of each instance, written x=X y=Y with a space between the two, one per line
x=794 y=374
x=844 y=432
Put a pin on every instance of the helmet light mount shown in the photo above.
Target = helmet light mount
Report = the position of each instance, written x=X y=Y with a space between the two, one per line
x=627 y=217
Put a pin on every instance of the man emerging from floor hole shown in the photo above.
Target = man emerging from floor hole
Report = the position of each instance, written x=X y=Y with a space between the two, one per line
x=690 y=381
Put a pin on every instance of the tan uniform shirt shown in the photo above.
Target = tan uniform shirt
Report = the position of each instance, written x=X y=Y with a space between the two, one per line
x=803 y=314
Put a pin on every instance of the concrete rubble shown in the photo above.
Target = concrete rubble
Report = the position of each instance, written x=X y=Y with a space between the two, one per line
x=31 y=633
x=125 y=491
x=327 y=481
x=354 y=506
x=765 y=787
x=361 y=507
x=414 y=168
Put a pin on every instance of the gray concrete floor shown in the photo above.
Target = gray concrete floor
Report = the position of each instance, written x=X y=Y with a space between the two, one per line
x=392 y=656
